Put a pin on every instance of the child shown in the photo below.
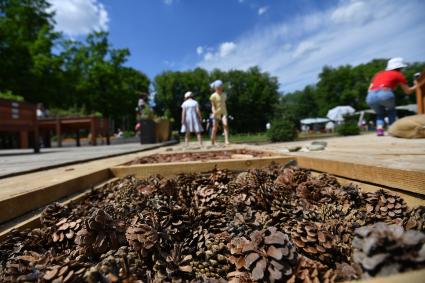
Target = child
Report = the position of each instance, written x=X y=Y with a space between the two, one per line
x=381 y=97
x=191 y=118
x=219 y=110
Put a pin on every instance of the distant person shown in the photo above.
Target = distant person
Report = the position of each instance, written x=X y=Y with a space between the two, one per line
x=381 y=97
x=141 y=103
x=219 y=110
x=191 y=118
x=119 y=133
x=41 y=111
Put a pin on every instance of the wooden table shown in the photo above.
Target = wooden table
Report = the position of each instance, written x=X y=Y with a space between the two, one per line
x=96 y=126
x=420 y=93
x=20 y=117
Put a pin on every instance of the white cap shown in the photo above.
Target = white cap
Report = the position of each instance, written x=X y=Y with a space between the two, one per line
x=188 y=94
x=217 y=84
x=395 y=63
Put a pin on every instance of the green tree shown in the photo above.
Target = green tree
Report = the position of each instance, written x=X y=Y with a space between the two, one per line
x=28 y=67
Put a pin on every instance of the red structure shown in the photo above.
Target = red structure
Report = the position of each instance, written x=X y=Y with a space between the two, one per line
x=96 y=126
x=20 y=117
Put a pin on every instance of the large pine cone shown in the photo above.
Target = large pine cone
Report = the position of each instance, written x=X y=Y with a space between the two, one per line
x=312 y=271
x=66 y=231
x=118 y=266
x=175 y=267
x=313 y=240
x=383 y=249
x=416 y=219
x=293 y=176
x=52 y=213
x=100 y=234
x=269 y=255
x=384 y=206
x=211 y=259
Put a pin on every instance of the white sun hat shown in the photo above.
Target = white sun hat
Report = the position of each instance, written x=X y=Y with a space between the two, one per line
x=188 y=94
x=395 y=63
x=216 y=84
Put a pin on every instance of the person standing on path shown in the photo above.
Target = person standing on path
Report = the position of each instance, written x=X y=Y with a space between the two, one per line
x=219 y=110
x=381 y=97
x=191 y=118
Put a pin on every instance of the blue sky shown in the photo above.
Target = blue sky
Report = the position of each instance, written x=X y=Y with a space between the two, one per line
x=290 y=39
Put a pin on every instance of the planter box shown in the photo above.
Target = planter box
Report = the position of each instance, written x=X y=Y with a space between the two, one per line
x=162 y=130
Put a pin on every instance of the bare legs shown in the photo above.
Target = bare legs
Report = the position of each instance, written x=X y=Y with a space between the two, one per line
x=226 y=130
x=187 y=136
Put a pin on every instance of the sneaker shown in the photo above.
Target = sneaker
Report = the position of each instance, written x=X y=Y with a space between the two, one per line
x=380 y=132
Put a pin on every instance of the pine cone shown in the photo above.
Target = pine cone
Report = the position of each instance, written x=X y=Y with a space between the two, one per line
x=174 y=267
x=100 y=234
x=53 y=213
x=66 y=231
x=293 y=176
x=416 y=219
x=312 y=271
x=119 y=265
x=383 y=249
x=268 y=255
x=316 y=242
x=384 y=206
x=211 y=259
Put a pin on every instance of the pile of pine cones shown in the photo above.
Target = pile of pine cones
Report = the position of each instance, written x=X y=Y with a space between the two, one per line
x=280 y=224
x=196 y=156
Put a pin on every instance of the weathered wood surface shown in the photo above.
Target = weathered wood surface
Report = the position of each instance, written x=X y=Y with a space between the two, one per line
x=408 y=180
x=396 y=162
x=21 y=194
x=170 y=169
x=33 y=220
x=417 y=276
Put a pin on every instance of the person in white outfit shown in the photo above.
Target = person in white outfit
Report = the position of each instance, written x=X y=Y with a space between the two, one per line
x=191 y=118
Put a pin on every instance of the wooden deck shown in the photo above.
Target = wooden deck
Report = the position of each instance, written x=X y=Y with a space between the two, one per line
x=386 y=152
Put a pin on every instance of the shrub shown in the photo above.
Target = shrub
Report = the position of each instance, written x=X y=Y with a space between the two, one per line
x=348 y=129
x=282 y=130
x=10 y=96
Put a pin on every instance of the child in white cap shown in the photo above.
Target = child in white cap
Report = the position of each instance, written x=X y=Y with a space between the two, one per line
x=219 y=110
x=191 y=118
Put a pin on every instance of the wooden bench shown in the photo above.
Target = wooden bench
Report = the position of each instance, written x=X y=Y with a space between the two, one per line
x=96 y=126
x=20 y=117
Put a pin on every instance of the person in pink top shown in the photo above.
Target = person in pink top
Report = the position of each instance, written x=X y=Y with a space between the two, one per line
x=381 y=97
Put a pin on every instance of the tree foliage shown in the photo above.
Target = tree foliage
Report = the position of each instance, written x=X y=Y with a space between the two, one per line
x=41 y=65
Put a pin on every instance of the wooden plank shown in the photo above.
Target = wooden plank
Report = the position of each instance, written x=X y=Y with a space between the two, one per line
x=417 y=276
x=20 y=204
x=33 y=221
x=170 y=169
x=407 y=180
x=412 y=200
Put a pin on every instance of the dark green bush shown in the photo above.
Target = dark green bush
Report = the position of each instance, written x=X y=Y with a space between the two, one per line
x=282 y=130
x=348 y=129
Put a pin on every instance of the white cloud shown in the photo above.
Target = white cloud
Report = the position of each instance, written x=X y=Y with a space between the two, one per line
x=356 y=11
x=304 y=48
x=263 y=10
x=208 y=56
x=79 y=17
x=296 y=51
x=168 y=2
x=199 y=50
x=226 y=48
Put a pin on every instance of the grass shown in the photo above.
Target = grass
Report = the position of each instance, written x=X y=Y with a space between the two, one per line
x=261 y=137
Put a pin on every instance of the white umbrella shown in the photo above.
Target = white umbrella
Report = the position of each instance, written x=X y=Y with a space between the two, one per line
x=338 y=113
x=308 y=121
